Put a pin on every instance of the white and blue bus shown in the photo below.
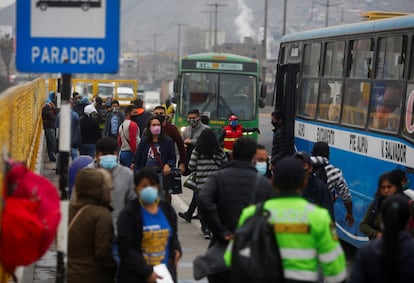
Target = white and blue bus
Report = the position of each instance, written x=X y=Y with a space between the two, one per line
x=353 y=87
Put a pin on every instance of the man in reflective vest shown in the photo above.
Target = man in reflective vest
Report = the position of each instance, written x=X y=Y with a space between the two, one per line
x=232 y=132
x=305 y=232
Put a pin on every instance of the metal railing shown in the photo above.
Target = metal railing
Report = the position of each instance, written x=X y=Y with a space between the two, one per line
x=20 y=128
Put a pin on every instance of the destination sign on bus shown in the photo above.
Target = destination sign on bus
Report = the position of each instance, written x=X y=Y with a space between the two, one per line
x=219 y=66
x=222 y=66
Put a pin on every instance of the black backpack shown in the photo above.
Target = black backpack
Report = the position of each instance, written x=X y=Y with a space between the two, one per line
x=255 y=252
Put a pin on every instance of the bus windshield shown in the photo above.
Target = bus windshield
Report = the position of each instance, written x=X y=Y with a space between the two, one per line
x=219 y=95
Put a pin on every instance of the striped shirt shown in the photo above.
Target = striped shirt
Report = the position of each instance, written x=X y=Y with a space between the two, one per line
x=335 y=179
x=205 y=166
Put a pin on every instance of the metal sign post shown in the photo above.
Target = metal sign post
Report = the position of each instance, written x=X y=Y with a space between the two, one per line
x=64 y=149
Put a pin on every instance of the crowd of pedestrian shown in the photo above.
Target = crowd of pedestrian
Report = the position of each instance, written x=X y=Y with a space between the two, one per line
x=123 y=226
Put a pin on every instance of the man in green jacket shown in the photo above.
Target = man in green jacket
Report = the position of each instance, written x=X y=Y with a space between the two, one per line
x=305 y=232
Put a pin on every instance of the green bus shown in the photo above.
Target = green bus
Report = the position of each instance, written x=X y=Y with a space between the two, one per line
x=219 y=85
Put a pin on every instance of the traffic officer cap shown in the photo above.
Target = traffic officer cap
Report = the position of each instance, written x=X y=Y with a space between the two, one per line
x=289 y=174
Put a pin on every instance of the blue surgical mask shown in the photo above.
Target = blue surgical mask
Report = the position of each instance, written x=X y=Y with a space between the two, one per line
x=108 y=161
x=261 y=167
x=148 y=195
x=234 y=123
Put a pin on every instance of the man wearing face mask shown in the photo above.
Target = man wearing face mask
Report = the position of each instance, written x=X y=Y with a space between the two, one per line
x=279 y=147
x=230 y=189
x=315 y=191
x=142 y=116
x=191 y=133
x=113 y=120
x=262 y=162
x=122 y=177
x=128 y=136
x=232 y=132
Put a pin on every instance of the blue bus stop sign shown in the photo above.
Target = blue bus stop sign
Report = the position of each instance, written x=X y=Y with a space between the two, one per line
x=67 y=36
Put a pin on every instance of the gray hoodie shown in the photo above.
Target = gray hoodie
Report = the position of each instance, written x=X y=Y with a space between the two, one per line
x=124 y=189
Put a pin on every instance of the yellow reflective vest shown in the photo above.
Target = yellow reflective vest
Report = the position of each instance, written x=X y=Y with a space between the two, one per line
x=307 y=239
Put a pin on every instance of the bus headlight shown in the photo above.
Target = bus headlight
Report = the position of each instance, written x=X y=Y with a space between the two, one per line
x=247 y=133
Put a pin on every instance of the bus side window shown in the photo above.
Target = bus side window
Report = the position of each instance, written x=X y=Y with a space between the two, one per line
x=355 y=109
x=386 y=113
x=391 y=57
x=307 y=100
x=361 y=53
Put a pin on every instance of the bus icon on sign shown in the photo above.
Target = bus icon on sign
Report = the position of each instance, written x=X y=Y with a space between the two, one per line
x=83 y=4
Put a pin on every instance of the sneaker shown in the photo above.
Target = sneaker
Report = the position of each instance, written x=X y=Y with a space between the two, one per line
x=184 y=216
x=206 y=233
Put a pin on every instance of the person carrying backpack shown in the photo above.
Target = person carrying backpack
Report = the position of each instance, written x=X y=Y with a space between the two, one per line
x=305 y=234
x=333 y=177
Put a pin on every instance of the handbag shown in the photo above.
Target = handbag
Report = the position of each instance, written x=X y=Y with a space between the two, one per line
x=175 y=181
x=210 y=263
x=191 y=182
x=172 y=182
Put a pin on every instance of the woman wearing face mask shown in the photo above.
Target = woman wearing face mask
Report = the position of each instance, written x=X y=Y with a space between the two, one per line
x=262 y=162
x=156 y=150
x=147 y=233
x=388 y=184
x=206 y=158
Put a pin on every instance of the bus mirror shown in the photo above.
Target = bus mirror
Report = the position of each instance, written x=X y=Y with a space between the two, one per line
x=262 y=104
x=263 y=91
x=175 y=86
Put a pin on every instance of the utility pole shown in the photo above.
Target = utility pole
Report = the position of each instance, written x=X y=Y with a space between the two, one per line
x=137 y=40
x=179 y=25
x=264 y=63
x=154 y=59
x=284 y=17
x=327 y=6
x=216 y=5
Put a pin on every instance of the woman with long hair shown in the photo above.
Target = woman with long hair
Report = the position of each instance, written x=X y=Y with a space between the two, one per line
x=206 y=158
x=157 y=151
x=388 y=184
x=147 y=233
x=390 y=258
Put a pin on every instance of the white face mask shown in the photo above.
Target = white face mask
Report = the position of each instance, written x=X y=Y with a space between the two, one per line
x=261 y=167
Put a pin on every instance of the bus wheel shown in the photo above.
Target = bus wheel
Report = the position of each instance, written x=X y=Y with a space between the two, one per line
x=85 y=7
x=43 y=6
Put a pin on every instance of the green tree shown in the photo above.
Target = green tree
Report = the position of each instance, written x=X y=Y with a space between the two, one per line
x=6 y=51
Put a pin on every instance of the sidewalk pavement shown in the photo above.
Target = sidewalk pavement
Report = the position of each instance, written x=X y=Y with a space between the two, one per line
x=191 y=238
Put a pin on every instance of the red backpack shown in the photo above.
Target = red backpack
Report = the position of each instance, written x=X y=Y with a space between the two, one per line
x=30 y=217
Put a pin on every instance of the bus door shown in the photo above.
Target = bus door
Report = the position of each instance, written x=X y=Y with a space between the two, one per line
x=287 y=83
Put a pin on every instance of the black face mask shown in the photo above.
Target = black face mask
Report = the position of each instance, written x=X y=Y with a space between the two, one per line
x=161 y=118
x=275 y=124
